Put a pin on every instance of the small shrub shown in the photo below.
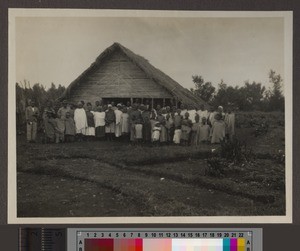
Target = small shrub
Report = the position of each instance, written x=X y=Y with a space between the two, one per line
x=215 y=167
x=256 y=118
x=235 y=150
x=261 y=129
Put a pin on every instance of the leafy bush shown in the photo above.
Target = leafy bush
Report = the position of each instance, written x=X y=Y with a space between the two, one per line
x=235 y=150
x=256 y=118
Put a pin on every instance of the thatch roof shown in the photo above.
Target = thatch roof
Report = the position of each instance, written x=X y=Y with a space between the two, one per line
x=176 y=90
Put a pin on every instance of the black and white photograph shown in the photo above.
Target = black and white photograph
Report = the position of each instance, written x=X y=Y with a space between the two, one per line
x=149 y=116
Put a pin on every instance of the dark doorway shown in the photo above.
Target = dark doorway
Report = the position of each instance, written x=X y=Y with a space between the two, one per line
x=116 y=100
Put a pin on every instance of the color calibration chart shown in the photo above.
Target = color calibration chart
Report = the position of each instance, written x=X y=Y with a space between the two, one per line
x=165 y=239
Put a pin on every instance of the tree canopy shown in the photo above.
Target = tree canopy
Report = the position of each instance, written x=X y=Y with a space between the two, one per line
x=249 y=96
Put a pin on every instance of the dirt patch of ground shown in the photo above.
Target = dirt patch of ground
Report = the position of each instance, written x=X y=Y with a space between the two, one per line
x=150 y=195
x=118 y=179
x=52 y=196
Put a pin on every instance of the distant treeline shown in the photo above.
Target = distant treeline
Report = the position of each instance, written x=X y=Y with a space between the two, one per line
x=249 y=97
x=38 y=93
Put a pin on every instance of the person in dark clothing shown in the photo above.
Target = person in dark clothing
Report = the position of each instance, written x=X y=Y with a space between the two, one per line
x=146 y=124
x=110 y=122
x=90 y=130
x=135 y=117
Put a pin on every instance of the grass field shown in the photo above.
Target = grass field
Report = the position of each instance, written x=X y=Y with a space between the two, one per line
x=117 y=179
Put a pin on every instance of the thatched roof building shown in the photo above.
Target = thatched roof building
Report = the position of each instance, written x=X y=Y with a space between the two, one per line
x=120 y=75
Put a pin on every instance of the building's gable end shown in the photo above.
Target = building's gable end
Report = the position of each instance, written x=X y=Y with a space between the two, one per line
x=117 y=76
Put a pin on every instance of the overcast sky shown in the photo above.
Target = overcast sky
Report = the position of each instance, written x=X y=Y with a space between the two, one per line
x=58 y=50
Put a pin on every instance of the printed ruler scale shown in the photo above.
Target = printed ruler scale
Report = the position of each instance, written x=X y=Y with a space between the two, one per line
x=135 y=239
x=168 y=240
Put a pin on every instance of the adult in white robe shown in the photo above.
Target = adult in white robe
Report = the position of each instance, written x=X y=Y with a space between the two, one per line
x=80 y=119
x=211 y=117
x=118 y=128
x=202 y=113
x=125 y=122
x=218 y=129
x=99 y=119
x=192 y=114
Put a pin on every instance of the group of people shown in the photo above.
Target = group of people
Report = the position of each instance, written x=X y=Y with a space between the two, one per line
x=138 y=123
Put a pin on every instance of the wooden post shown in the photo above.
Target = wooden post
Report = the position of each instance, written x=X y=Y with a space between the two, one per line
x=131 y=101
x=164 y=102
x=152 y=103
x=176 y=101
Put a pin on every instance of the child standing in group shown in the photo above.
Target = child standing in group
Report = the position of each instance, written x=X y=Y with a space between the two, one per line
x=163 y=130
x=138 y=128
x=170 y=126
x=218 y=129
x=195 y=131
x=204 y=131
x=125 y=123
x=156 y=133
x=70 y=129
x=177 y=127
x=186 y=128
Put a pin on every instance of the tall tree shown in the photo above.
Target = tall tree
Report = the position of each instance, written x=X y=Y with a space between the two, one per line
x=222 y=97
x=276 y=98
x=252 y=96
x=204 y=90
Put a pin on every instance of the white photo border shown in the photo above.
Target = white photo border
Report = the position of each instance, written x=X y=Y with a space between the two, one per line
x=288 y=91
